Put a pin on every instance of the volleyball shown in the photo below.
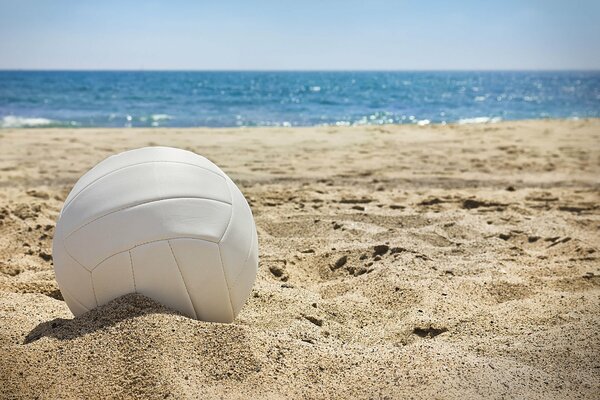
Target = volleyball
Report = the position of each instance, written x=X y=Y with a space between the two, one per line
x=162 y=222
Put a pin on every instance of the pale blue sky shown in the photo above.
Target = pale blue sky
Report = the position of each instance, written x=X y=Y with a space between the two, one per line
x=302 y=34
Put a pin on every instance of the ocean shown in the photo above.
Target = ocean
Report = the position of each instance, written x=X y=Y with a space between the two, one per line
x=229 y=99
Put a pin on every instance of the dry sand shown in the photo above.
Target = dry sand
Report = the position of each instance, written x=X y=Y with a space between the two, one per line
x=395 y=262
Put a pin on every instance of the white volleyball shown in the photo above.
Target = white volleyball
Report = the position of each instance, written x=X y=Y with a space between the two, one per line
x=162 y=222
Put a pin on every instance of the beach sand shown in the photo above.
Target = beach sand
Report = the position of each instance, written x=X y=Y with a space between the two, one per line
x=457 y=261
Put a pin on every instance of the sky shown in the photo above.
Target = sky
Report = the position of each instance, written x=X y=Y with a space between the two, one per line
x=300 y=35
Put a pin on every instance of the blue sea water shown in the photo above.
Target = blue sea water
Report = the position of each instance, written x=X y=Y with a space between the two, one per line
x=223 y=99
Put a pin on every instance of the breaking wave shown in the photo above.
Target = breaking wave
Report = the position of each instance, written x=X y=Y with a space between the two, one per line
x=12 y=121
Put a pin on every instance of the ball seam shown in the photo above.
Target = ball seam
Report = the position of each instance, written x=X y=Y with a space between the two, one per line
x=70 y=295
x=227 y=182
x=93 y=288
x=144 y=243
x=85 y=269
x=183 y=279
x=226 y=283
x=230 y=214
x=235 y=280
x=134 y=165
x=142 y=204
x=132 y=270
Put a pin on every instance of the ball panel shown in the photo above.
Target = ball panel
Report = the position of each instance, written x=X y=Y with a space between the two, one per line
x=137 y=156
x=200 y=265
x=76 y=307
x=142 y=184
x=113 y=278
x=159 y=220
x=73 y=277
x=157 y=276
x=236 y=248
x=241 y=286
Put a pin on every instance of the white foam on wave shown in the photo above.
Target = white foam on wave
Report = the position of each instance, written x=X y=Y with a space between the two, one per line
x=160 y=117
x=479 y=120
x=11 y=121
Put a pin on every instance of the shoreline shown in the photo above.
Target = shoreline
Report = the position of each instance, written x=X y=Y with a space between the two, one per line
x=271 y=127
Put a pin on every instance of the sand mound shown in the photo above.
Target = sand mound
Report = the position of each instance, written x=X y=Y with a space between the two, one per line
x=129 y=347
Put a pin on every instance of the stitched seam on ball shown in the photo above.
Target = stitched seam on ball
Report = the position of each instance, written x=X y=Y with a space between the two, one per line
x=93 y=288
x=183 y=279
x=230 y=214
x=76 y=260
x=150 y=241
x=132 y=271
x=235 y=280
x=142 y=204
x=226 y=283
x=134 y=165
x=85 y=269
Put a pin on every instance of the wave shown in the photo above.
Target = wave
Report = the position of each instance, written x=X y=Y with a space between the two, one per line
x=12 y=121
x=479 y=120
x=160 y=117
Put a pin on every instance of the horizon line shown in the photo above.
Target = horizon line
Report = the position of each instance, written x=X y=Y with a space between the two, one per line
x=301 y=70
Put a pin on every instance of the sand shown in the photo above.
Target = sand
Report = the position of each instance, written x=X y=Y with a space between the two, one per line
x=395 y=262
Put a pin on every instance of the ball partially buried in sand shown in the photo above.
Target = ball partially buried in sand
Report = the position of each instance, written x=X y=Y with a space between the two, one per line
x=162 y=222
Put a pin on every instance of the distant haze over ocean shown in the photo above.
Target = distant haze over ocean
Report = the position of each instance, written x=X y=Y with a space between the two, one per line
x=227 y=99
